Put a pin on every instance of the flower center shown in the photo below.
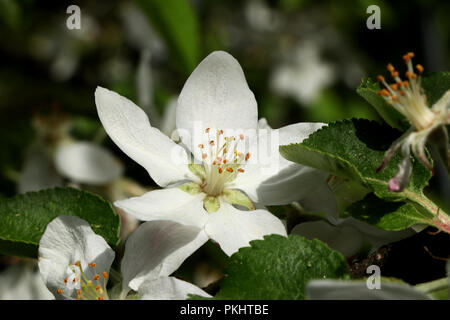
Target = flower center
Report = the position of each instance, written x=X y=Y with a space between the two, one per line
x=408 y=97
x=88 y=287
x=222 y=160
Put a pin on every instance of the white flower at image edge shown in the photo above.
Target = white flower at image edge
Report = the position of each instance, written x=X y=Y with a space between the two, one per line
x=224 y=190
x=75 y=262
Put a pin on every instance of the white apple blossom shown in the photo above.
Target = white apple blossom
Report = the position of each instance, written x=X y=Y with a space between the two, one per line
x=212 y=191
x=75 y=262
x=408 y=98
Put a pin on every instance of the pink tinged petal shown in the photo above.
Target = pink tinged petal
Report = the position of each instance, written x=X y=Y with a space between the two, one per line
x=168 y=288
x=232 y=228
x=167 y=204
x=128 y=126
x=216 y=95
x=157 y=249
x=401 y=179
x=84 y=162
x=66 y=240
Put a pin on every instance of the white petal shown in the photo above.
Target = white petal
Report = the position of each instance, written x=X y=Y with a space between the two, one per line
x=158 y=248
x=168 y=288
x=128 y=126
x=216 y=95
x=22 y=282
x=344 y=239
x=38 y=173
x=443 y=103
x=375 y=236
x=167 y=204
x=84 y=162
x=358 y=290
x=233 y=228
x=168 y=123
x=66 y=240
x=273 y=180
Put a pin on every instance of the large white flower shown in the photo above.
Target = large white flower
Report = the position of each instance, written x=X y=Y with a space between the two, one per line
x=75 y=262
x=236 y=163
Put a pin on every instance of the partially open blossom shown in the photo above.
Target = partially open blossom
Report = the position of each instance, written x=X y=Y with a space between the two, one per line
x=407 y=97
x=75 y=262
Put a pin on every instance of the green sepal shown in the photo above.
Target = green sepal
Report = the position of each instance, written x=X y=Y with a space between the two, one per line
x=237 y=197
x=211 y=204
x=191 y=188
x=198 y=170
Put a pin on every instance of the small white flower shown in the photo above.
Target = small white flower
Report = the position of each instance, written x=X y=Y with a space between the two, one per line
x=408 y=98
x=75 y=262
x=214 y=101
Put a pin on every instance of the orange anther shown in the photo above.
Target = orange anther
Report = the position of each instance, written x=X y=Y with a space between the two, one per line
x=230 y=169
x=241 y=170
x=211 y=143
x=65 y=280
x=383 y=93
x=104 y=275
x=77 y=263
x=96 y=277
x=247 y=156
x=394 y=74
x=380 y=78
x=100 y=298
x=241 y=136
x=225 y=161
x=419 y=68
x=394 y=98
x=394 y=86
x=98 y=287
x=59 y=291
x=220 y=170
x=92 y=264
x=79 y=292
x=390 y=67
x=204 y=156
x=220 y=131
x=207 y=130
x=201 y=145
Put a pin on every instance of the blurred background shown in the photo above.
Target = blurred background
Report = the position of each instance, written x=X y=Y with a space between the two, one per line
x=302 y=59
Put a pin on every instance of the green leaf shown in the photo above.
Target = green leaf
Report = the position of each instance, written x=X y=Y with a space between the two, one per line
x=279 y=268
x=354 y=149
x=435 y=84
x=368 y=90
x=177 y=23
x=387 y=215
x=23 y=218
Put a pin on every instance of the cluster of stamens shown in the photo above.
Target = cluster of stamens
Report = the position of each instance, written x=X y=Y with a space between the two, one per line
x=87 y=289
x=407 y=96
x=221 y=160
